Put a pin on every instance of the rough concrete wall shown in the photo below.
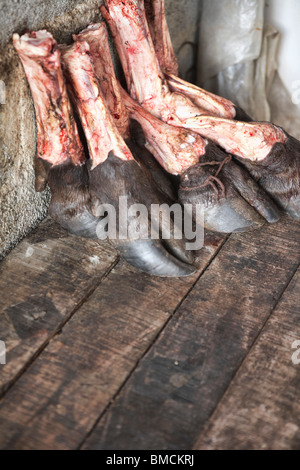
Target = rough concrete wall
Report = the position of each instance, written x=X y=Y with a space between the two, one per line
x=21 y=208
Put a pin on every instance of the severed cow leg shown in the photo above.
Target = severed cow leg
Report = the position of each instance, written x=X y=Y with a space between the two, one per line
x=97 y=39
x=284 y=150
x=114 y=173
x=201 y=167
x=268 y=152
x=61 y=159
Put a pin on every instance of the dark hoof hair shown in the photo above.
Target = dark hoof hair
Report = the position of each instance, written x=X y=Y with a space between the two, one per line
x=279 y=175
x=115 y=178
x=225 y=210
x=71 y=203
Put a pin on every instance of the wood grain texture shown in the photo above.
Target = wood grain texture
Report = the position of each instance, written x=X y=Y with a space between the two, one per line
x=178 y=384
x=41 y=282
x=261 y=408
x=62 y=394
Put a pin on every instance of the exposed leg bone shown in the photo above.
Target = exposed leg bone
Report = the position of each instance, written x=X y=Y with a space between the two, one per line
x=156 y=17
x=96 y=37
x=269 y=153
x=175 y=148
x=60 y=151
x=99 y=127
x=119 y=45
x=213 y=104
x=115 y=174
x=58 y=139
x=253 y=141
x=146 y=81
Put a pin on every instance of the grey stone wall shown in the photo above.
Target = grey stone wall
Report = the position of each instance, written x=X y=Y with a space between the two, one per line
x=21 y=208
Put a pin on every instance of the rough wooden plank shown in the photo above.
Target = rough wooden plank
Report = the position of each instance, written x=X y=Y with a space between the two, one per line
x=178 y=384
x=261 y=408
x=59 y=398
x=41 y=282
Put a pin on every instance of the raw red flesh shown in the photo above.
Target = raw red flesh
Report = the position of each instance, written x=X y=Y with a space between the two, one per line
x=250 y=140
x=101 y=133
x=96 y=37
x=118 y=44
x=213 y=104
x=145 y=80
x=176 y=149
x=57 y=133
x=156 y=17
x=253 y=141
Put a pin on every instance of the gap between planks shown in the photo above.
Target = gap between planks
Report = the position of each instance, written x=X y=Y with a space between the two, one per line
x=244 y=361
x=157 y=409
x=112 y=305
x=40 y=294
x=58 y=330
x=231 y=426
x=151 y=344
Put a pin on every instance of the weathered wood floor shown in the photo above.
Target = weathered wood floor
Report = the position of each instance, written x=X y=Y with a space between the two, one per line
x=100 y=356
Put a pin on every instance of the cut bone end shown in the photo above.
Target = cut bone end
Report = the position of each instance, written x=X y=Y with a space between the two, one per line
x=91 y=28
x=35 y=44
x=207 y=102
x=93 y=33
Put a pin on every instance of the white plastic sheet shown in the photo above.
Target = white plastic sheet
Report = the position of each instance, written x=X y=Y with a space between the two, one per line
x=230 y=33
x=238 y=60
